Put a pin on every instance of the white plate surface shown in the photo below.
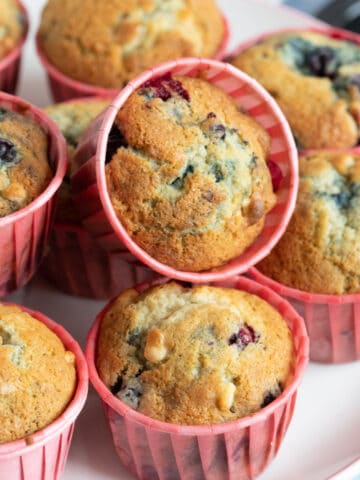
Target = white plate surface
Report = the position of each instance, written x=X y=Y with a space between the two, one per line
x=324 y=436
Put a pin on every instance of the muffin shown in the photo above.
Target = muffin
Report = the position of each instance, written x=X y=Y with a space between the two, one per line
x=109 y=43
x=186 y=173
x=37 y=375
x=320 y=251
x=12 y=26
x=72 y=118
x=193 y=356
x=24 y=168
x=315 y=79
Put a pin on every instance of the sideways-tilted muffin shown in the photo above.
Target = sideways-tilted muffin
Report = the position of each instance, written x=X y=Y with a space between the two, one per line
x=187 y=174
x=12 y=24
x=320 y=251
x=191 y=356
x=72 y=118
x=316 y=81
x=24 y=168
x=109 y=43
x=37 y=375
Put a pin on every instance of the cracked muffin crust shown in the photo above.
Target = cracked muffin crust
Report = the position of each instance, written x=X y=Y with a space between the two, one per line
x=191 y=356
x=72 y=118
x=109 y=43
x=24 y=167
x=37 y=375
x=320 y=251
x=12 y=26
x=187 y=174
x=316 y=81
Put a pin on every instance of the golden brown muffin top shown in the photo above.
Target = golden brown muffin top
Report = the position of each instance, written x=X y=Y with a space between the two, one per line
x=109 y=43
x=24 y=167
x=320 y=251
x=12 y=26
x=191 y=356
x=187 y=173
x=72 y=118
x=316 y=81
x=37 y=375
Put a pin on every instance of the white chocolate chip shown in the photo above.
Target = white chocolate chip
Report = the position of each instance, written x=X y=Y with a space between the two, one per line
x=225 y=398
x=6 y=388
x=155 y=349
x=69 y=357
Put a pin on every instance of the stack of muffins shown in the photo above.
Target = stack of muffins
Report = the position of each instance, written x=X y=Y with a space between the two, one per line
x=192 y=173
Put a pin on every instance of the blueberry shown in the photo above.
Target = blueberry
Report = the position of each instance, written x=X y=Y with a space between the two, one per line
x=216 y=170
x=341 y=199
x=117 y=386
x=322 y=62
x=268 y=398
x=3 y=112
x=115 y=141
x=253 y=161
x=131 y=392
x=8 y=151
x=218 y=131
x=244 y=336
x=211 y=115
x=134 y=338
x=178 y=183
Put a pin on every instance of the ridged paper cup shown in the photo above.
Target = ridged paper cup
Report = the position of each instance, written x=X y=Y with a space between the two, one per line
x=10 y=64
x=24 y=234
x=64 y=87
x=335 y=33
x=236 y=450
x=42 y=455
x=89 y=181
x=77 y=265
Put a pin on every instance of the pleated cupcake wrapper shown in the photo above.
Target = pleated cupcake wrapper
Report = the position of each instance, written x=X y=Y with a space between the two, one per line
x=332 y=321
x=89 y=182
x=77 y=265
x=238 y=450
x=65 y=88
x=10 y=65
x=42 y=455
x=23 y=234
x=335 y=33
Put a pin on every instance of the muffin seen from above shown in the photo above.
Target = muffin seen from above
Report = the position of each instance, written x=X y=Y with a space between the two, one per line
x=187 y=173
x=12 y=26
x=320 y=251
x=316 y=81
x=37 y=375
x=24 y=168
x=193 y=356
x=72 y=118
x=109 y=43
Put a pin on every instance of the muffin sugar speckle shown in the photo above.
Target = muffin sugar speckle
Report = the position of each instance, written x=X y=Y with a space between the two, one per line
x=37 y=375
x=316 y=81
x=187 y=173
x=201 y=355
x=24 y=166
x=320 y=251
x=109 y=43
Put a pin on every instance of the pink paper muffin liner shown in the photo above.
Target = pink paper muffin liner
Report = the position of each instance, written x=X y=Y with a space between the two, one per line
x=236 y=450
x=10 y=65
x=89 y=181
x=42 y=455
x=64 y=88
x=23 y=234
x=77 y=265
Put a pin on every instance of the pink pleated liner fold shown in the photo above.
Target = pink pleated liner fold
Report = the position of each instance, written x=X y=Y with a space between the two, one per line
x=332 y=32
x=240 y=449
x=10 y=64
x=64 y=88
x=89 y=181
x=42 y=455
x=24 y=234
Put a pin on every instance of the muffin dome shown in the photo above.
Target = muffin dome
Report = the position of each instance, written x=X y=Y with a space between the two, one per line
x=320 y=251
x=190 y=356
x=187 y=173
x=24 y=167
x=109 y=43
x=12 y=24
x=316 y=81
x=37 y=375
x=72 y=118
